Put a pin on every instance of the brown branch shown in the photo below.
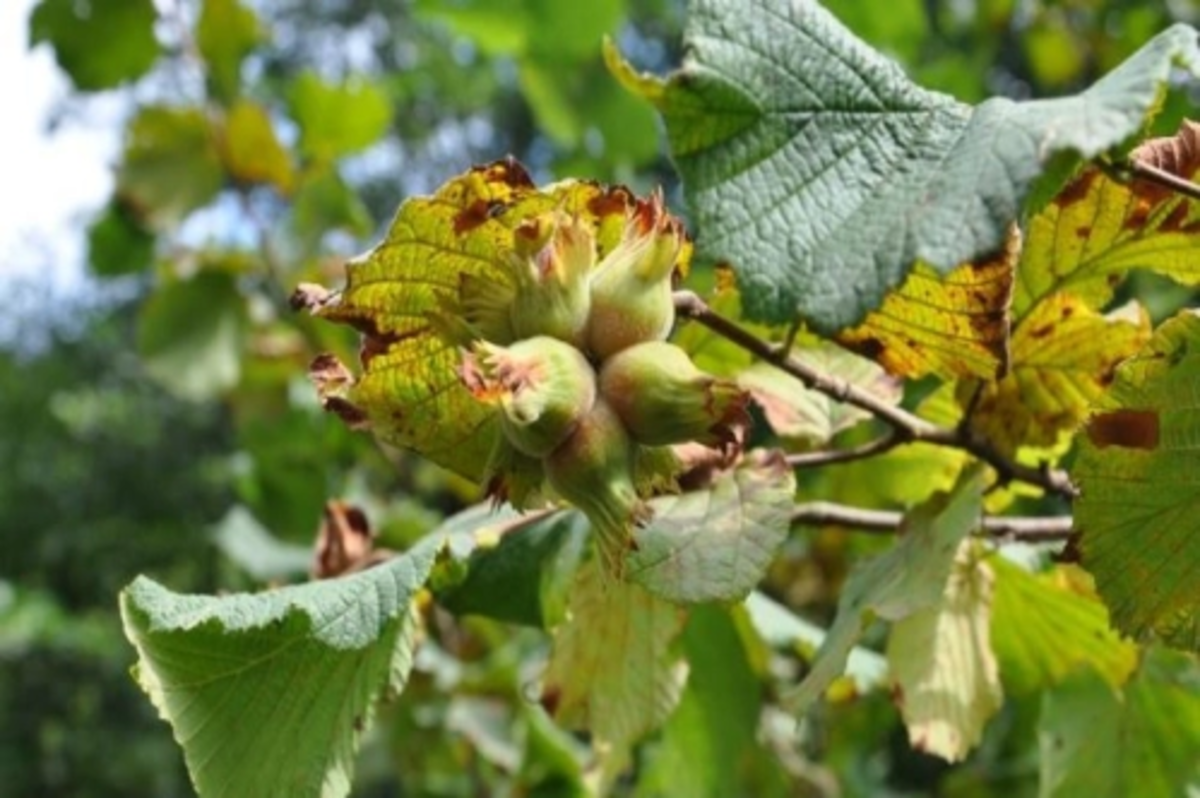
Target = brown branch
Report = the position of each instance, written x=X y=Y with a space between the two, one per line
x=1028 y=529
x=906 y=427
x=1138 y=170
x=837 y=456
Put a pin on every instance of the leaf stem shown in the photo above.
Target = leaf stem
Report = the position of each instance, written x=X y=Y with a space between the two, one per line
x=1027 y=529
x=906 y=427
x=1134 y=169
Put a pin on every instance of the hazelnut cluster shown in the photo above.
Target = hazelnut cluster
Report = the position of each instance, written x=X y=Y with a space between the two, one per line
x=574 y=357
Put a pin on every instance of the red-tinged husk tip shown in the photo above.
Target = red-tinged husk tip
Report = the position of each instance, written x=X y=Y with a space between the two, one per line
x=541 y=386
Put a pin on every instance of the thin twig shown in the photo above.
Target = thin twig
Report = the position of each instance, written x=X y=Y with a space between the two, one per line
x=1153 y=174
x=906 y=426
x=837 y=456
x=1028 y=529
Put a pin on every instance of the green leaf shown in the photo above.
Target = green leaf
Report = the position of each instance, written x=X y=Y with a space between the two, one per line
x=944 y=674
x=269 y=694
x=1141 y=740
x=1047 y=626
x=710 y=746
x=226 y=33
x=190 y=335
x=823 y=174
x=524 y=575
x=715 y=544
x=118 y=244
x=99 y=43
x=795 y=411
x=171 y=165
x=1139 y=476
x=338 y=120
x=251 y=150
x=906 y=579
x=614 y=669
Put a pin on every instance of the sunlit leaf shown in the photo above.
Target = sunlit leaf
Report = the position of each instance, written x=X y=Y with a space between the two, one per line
x=909 y=577
x=1139 y=473
x=1096 y=229
x=191 y=333
x=226 y=33
x=1063 y=357
x=954 y=325
x=410 y=392
x=99 y=43
x=823 y=174
x=1047 y=626
x=944 y=674
x=715 y=544
x=614 y=669
x=270 y=693
x=171 y=165
x=251 y=150
x=795 y=411
x=337 y=120
x=1141 y=740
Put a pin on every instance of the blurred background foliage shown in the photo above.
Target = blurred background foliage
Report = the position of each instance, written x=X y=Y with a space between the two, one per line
x=158 y=420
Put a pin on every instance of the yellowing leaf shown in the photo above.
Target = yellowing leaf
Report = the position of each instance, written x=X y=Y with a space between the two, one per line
x=952 y=326
x=613 y=670
x=794 y=411
x=401 y=295
x=1044 y=628
x=944 y=674
x=908 y=578
x=251 y=151
x=1063 y=357
x=1139 y=476
x=1097 y=229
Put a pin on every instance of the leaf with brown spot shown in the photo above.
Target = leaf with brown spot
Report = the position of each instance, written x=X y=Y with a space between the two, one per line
x=1063 y=357
x=1088 y=238
x=405 y=293
x=952 y=326
x=1140 y=502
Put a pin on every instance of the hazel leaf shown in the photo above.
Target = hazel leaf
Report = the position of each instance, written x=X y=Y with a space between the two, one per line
x=1139 y=478
x=822 y=173
x=715 y=544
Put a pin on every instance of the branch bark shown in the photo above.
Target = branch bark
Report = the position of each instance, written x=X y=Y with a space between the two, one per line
x=906 y=427
x=1029 y=529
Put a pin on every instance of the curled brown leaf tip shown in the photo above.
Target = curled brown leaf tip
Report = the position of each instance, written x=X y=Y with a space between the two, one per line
x=310 y=297
x=344 y=541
